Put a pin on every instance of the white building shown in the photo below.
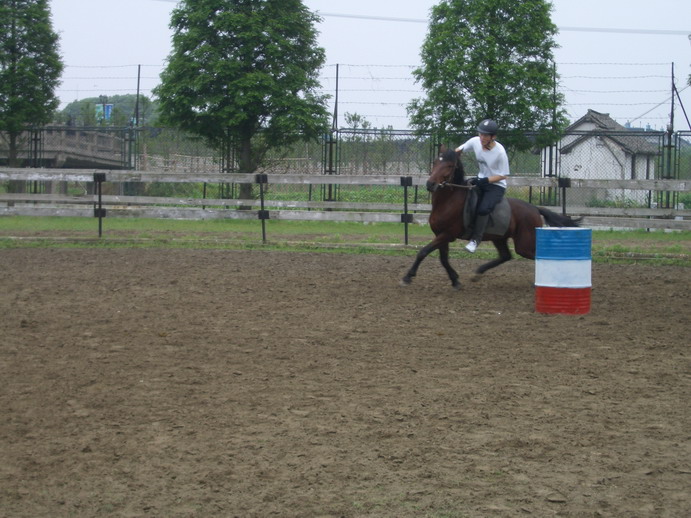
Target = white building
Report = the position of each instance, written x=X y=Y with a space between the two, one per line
x=596 y=147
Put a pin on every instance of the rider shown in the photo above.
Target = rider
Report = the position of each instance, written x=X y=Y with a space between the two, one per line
x=491 y=179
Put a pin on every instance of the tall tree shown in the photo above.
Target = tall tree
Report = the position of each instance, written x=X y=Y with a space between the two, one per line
x=82 y=112
x=489 y=59
x=243 y=75
x=30 y=68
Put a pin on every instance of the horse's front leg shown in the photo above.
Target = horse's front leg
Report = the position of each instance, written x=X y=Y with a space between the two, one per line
x=424 y=252
x=442 y=243
x=444 y=259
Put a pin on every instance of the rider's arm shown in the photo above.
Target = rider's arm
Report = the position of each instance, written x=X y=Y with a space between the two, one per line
x=497 y=178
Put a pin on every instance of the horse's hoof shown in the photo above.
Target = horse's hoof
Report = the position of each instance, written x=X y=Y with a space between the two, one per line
x=405 y=282
x=476 y=277
x=456 y=286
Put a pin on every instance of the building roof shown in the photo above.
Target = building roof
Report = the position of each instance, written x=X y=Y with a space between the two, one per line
x=601 y=120
x=632 y=142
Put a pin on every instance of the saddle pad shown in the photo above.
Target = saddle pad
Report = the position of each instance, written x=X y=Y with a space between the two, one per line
x=499 y=218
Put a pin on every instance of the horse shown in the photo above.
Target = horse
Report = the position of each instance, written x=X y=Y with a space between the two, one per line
x=450 y=190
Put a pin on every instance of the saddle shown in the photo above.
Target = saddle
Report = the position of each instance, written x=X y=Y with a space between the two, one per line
x=499 y=218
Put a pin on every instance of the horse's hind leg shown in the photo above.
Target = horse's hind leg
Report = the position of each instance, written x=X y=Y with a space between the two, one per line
x=444 y=259
x=524 y=244
x=504 y=255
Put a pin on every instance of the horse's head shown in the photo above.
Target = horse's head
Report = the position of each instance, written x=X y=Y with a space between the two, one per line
x=446 y=169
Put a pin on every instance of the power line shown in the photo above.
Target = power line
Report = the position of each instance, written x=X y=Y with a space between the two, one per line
x=374 y=18
x=661 y=63
x=659 y=104
x=612 y=30
x=659 y=32
x=615 y=77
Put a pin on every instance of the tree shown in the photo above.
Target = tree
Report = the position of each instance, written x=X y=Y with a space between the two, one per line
x=355 y=121
x=83 y=111
x=489 y=59
x=243 y=75
x=30 y=69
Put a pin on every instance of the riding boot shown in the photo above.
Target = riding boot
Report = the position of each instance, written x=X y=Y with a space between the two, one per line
x=478 y=231
x=479 y=227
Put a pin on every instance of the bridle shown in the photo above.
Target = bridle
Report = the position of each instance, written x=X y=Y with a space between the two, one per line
x=452 y=185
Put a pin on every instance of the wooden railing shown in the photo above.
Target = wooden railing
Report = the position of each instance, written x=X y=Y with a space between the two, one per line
x=266 y=208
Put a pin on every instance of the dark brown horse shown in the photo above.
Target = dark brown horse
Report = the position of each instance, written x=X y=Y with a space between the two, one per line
x=449 y=193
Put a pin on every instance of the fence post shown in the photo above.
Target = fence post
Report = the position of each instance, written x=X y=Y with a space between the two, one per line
x=564 y=183
x=99 y=211
x=406 y=181
x=263 y=215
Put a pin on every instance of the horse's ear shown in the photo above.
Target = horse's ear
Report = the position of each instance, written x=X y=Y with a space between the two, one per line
x=442 y=149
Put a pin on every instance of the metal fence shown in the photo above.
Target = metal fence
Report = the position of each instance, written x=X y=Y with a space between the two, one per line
x=610 y=155
x=681 y=167
x=584 y=155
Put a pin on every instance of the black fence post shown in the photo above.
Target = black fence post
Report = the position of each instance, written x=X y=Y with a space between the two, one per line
x=406 y=181
x=99 y=211
x=263 y=215
x=564 y=183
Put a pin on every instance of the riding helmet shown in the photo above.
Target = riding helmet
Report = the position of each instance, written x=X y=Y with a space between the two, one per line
x=488 y=127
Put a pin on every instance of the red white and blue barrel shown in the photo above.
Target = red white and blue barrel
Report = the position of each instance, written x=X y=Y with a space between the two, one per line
x=563 y=270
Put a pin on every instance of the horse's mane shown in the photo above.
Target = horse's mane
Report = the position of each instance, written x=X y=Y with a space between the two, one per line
x=458 y=174
x=449 y=156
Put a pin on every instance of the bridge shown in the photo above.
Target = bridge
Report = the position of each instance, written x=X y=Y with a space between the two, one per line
x=71 y=148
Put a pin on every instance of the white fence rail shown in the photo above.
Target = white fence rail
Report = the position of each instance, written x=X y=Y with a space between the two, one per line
x=265 y=208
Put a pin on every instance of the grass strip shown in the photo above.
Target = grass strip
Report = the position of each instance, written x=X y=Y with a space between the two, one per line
x=660 y=247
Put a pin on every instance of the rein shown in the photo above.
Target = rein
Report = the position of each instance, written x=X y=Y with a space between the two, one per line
x=448 y=184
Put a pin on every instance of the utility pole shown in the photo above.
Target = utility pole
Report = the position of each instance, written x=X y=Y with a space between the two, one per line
x=330 y=158
x=667 y=200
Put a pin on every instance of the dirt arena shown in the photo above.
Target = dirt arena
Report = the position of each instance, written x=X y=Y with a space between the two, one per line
x=184 y=383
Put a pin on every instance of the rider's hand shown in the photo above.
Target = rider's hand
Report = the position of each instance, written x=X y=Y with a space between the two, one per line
x=479 y=181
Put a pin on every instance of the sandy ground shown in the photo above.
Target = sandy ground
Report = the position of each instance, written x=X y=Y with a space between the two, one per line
x=180 y=383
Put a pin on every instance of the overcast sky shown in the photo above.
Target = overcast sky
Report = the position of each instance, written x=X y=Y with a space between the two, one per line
x=624 y=70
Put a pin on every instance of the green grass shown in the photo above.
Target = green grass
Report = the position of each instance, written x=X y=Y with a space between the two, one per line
x=345 y=237
x=194 y=229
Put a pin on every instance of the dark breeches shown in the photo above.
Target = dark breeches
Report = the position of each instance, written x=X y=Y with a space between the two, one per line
x=489 y=196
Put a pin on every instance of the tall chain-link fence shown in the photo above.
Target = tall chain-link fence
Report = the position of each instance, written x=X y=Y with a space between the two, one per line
x=589 y=155
x=612 y=155
x=682 y=165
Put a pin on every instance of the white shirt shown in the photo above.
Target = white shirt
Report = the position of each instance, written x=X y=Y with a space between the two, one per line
x=491 y=162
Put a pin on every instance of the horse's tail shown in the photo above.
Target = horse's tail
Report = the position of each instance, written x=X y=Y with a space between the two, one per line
x=557 y=220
